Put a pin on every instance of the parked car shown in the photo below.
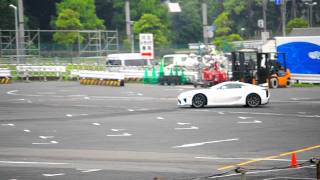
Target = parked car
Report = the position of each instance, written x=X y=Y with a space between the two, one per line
x=228 y=93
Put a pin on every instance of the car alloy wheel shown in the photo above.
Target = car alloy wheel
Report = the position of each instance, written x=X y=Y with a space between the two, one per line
x=199 y=100
x=253 y=100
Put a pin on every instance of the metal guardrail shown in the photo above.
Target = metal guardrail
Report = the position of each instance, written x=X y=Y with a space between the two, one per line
x=305 y=78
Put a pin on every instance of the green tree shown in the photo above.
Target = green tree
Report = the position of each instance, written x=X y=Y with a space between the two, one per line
x=150 y=23
x=85 y=9
x=296 y=23
x=70 y=20
x=224 y=36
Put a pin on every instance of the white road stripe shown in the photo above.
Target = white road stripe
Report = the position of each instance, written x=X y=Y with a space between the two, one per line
x=240 y=117
x=96 y=124
x=88 y=170
x=250 y=122
x=131 y=110
x=203 y=143
x=27 y=130
x=46 y=137
x=119 y=135
x=69 y=115
x=182 y=124
x=187 y=128
x=8 y=125
x=160 y=118
x=31 y=162
x=52 y=175
x=51 y=142
x=117 y=130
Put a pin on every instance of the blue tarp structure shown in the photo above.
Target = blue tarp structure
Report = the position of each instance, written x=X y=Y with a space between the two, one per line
x=302 y=57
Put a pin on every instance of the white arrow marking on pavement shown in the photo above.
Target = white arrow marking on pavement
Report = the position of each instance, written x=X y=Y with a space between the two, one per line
x=240 y=117
x=69 y=115
x=96 y=124
x=46 y=137
x=188 y=128
x=160 y=118
x=203 y=143
x=88 y=170
x=181 y=123
x=12 y=92
x=119 y=135
x=250 y=122
x=27 y=130
x=51 y=142
x=7 y=125
x=52 y=175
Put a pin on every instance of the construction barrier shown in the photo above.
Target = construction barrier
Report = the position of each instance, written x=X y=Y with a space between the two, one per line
x=41 y=72
x=101 y=78
x=5 y=76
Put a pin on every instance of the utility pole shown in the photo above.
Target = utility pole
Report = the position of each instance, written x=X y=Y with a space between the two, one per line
x=21 y=31
x=204 y=21
x=17 y=30
x=264 y=9
x=283 y=16
x=128 y=25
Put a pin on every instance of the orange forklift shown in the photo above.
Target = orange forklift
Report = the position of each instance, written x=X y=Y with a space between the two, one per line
x=252 y=66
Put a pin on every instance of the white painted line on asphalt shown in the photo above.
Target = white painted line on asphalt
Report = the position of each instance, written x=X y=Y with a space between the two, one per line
x=96 y=124
x=297 y=99
x=203 y=143
x=160 y=118
x=10 y=124
x=31 y=162
x=88 y=170
x=84 y=114
x=46 y=137
x=52 y=175
x=220 y=158
x=221 y=113
x=140 y=94
x=240 y=117
x=131 y=110
x=51 y=142
x=119 y=135
x=69 y=115
x=309 y=116
x=117 y=130
x=12 y=92
x=302 y=113
x=187 y=128
x=173 y=89
x=182 y=124
x=87 y=98
x=27 y=130
x=250 y=122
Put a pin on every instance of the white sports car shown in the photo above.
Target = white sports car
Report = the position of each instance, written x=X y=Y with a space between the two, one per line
x=226 y=93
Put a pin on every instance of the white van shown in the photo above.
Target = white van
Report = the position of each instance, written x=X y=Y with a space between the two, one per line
x=127 y=59
x=183 y=60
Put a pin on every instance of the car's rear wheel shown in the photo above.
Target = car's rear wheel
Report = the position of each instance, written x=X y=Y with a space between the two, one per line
x=199 y=100
x=253 y=100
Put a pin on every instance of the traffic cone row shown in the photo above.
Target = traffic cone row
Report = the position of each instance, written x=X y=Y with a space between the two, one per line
x=154 y=79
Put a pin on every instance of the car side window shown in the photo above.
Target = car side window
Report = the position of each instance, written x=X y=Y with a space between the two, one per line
x=231 y=86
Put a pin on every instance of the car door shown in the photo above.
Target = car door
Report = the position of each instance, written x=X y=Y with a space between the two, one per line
x=228 y=94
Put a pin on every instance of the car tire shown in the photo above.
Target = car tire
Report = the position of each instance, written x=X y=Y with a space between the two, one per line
x=199 y=100
x=288 y=82
x=253 y=100
x=274 y=83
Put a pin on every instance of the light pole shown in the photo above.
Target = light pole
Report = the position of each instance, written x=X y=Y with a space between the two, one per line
x=310 y=11
x=16 y=29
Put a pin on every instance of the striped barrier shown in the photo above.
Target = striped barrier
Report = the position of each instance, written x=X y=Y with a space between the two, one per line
x=5 y=76
x=5 y=80
x=40 y=72
x=101 y=78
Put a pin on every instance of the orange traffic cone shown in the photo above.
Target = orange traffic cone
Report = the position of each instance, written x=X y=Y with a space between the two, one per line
x=294 y=162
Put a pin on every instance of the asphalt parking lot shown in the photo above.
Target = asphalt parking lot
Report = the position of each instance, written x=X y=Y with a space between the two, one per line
x=64 y=130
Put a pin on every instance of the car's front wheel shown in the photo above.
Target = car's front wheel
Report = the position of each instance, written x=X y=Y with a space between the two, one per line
x=253 y=100
x=199 y=100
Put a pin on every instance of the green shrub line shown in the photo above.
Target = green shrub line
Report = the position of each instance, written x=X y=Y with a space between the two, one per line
x=305 y=85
